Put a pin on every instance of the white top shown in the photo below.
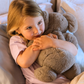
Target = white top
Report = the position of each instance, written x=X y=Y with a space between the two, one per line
x=16 y=45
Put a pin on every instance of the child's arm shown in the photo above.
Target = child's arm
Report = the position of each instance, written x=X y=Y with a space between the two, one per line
x=65 y=45
x=47 y=41
x=27 y=57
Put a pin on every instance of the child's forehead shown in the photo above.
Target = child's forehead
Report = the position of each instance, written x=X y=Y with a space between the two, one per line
x=29 y=21
x=30 y=18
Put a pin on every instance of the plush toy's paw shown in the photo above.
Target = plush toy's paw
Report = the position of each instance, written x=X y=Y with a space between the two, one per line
x=71 y=38
x=45 y=74
x=59 y=35
x=73 y=71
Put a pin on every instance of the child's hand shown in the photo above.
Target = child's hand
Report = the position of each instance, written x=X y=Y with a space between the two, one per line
x=34 y=47
x=42 y=42
x=53 y=36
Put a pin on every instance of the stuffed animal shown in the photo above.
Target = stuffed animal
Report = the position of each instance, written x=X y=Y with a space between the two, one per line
x=54 y=61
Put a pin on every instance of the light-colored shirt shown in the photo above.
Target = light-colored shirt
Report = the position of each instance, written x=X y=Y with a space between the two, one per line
x=17 y=44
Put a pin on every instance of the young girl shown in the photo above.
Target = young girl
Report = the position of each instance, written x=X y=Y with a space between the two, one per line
x=25 y=22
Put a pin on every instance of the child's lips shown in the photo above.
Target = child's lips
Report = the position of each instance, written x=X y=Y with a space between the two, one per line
x=37 y=36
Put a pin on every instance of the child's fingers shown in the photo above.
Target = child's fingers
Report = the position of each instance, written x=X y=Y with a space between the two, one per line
x=49 y=34
x=55 y=36
x=37 y=41
x=36 y=44
x=37 y=48
x=52 y=35
x=34 y=47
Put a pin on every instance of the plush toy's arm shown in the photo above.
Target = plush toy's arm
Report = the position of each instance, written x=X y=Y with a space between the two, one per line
x=71 y=38
x=72 y=27
x=59 y=35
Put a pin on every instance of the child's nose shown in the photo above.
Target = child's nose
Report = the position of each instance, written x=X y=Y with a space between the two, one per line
x=37 y=30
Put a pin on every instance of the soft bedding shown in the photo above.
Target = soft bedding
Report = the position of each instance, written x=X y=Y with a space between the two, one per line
x=3 y=19
x=78 y=79
x=10 y=73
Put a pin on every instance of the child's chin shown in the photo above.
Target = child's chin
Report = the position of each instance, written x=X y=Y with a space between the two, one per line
x=33 y=38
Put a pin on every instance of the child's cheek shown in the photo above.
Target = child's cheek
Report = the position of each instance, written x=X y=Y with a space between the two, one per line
x=31 y=34
x=43 y=27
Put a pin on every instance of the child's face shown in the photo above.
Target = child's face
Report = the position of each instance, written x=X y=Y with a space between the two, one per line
x=32 y=27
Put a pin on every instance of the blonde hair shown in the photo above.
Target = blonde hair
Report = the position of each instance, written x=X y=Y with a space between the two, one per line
x=18 y=9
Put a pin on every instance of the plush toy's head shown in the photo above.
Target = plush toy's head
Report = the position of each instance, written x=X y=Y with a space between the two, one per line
x=60 y=22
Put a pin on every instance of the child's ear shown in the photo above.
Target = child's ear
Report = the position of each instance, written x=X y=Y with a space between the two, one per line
x=18 y=31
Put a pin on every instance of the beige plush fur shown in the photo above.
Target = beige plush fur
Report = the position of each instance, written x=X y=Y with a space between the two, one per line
x=54 y=61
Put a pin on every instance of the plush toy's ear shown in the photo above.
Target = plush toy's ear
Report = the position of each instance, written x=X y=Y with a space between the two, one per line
x=72 y=22
x=46 y=19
